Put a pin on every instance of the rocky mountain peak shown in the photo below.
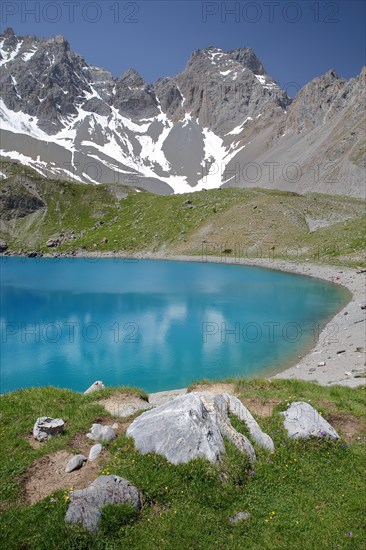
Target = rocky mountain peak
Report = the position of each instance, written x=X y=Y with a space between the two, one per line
x=132 y=78
x=221 y=108
x=8 y=33
x=247 y=58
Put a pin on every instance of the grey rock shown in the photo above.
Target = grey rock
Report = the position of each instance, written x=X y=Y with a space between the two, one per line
x=240 y=516
x=214 y=406
x=46 y=427
x=75 y=463
x=180 y=430
x=101 y=433
x=97 y=385
x=95 y=451
x=3 y=245
x=51 y=243
x=235 y=406
x=189 y=426
x=303 y=421
x=87 y=504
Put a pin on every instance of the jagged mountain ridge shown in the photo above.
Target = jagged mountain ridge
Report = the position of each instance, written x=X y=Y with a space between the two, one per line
x=202 y=128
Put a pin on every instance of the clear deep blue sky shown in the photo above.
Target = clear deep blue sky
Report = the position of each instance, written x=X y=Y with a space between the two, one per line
x=295 y=41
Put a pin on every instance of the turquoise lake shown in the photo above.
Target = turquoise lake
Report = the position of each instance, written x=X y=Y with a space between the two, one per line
x=153 y=324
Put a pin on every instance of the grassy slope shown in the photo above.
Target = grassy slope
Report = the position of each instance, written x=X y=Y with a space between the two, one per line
x=307 y=494
x=239 y=222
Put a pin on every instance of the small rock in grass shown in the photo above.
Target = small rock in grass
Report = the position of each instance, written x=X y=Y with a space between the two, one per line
x=98 y=385
x=115 y=426
x=101 y=433
x=75 y=463
x=95 y=451
x=240 y=516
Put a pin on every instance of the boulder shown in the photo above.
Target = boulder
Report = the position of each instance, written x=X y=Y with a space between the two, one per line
x=187 y=427
x=303 y=421
x=97 y=385
x=45 y=427
x=3 y=245
x=95 y=451
x=75 y=463
x=101 y=433
x=180 y=430
x=86 y=504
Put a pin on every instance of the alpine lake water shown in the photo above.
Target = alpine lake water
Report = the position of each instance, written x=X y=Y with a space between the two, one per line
x=157 y=325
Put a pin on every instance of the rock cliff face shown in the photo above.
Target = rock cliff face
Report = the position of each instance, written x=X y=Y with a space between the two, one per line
x=198 y=129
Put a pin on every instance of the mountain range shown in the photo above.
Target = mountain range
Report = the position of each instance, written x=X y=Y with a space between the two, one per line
x=222 y=121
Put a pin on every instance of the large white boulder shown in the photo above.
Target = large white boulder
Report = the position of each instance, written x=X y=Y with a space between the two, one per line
x=194 y=425
x=180 y=430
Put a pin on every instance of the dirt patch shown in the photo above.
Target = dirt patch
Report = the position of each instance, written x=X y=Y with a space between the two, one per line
x=329 y=405
x=347 y=425
x=123 y=405
x=261 y=407
x=47 y=474
x=33 y=442
x=214 y=388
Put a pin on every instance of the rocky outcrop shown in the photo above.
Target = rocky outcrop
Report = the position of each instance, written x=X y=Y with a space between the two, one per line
x=19 y=199
x=87 y=504
x=303 y=421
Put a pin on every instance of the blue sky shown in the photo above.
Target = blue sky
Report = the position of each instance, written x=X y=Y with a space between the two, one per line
x=295 y=41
